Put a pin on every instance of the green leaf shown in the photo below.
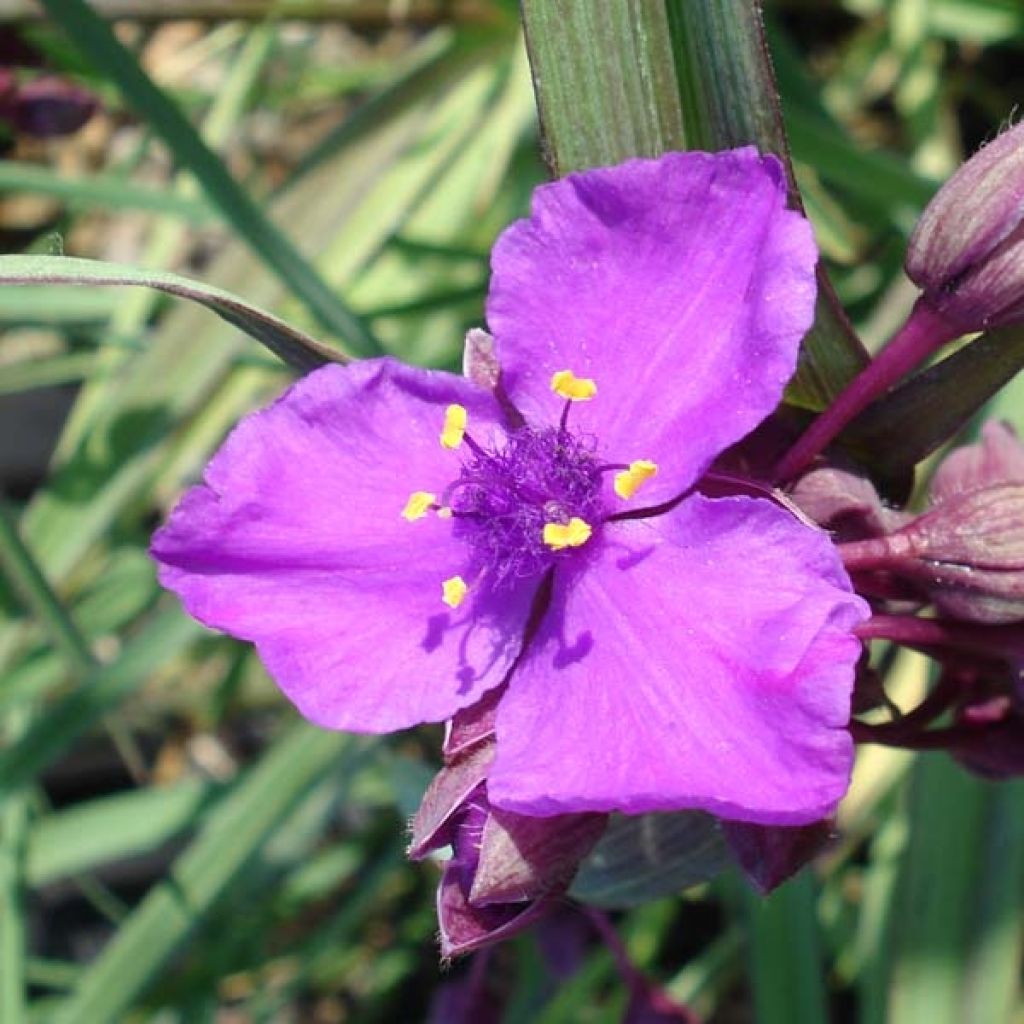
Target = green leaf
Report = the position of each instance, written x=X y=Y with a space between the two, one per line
x=240 y=826
x=604 y=79
x=47 y=738
x=94 y=38
x=785 y=955
x=86 y=836
x=104 y=190
x=648 y=856
x=291 y=345
x=936 y=895
x=912 y=421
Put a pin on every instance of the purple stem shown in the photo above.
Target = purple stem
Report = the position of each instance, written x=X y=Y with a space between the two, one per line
x=636 y=981
x=923 y=333
x=931 y=634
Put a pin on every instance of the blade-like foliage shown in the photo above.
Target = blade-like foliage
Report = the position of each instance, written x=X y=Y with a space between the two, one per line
x=295 y=348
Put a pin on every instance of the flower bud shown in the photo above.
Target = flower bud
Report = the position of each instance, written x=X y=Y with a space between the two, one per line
x=966 y=553
x=845 y=503
x=49 y=106
x=506 y=869
x=967 y=251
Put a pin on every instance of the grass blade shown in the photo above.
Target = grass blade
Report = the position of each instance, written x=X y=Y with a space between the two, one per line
x=95 y=39
x=233 y=834
x=295 y=348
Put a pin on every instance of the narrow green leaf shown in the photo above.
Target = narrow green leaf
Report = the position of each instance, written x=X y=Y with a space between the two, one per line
x=785 y=955
x=912 y=421
x=992 y=983
x=86 y=836
x=13 y=920
x=291 y=345
x=94 y=38
x=234 y=833
x=46 y=738
x=46 y=372
x=24 y=573
x=604 y=79
x=649 y=856
x=936 y=895
x=104 y=190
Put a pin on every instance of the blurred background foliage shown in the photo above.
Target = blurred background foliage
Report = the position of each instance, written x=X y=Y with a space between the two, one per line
x=176 y=845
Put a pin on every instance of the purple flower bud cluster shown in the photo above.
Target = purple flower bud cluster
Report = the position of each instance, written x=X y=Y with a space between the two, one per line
x=963 y=556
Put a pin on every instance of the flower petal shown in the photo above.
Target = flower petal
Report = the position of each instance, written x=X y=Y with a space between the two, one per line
x=681 y=285
x=296 y=541
x=703 y=660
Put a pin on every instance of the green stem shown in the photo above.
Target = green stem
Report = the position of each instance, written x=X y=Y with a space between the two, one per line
x=28 y=580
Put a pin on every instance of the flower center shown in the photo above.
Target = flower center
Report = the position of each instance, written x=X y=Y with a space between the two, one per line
x=529 y=500
x=521 y=505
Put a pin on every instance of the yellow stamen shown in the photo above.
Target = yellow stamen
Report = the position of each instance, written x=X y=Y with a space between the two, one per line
x=418 y=505
x=572 y=534
x=629 y=481
x=454 y=426
x=576 y=389
x=454 y=591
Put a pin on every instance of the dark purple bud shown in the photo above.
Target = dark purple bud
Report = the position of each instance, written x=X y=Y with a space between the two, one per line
x=464 y=927
x=967 y=251
x=50 y=106
x=769 y=854
x=997 y=459
x=966 y=553
x=506 y=869
x=445 y=799
x=472 y=725
x=845 y=503
x=525 y=858
x=993 y=748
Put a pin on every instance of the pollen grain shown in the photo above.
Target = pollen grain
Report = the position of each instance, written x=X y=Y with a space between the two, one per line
x=567 y=385
x=559 y=536
x=454 y=426
x=418 y=505
x=629 y=481
x=453 y=591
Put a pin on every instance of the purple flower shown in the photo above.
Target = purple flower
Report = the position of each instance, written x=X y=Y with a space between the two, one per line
x=398 y=542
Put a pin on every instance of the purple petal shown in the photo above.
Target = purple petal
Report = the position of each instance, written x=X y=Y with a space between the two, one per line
x=296 y=542
x=681 y=285
x=703 y=660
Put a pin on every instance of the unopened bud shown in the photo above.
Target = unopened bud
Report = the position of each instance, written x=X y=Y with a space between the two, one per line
x=50 y=106
x=967 y=551
x=506 y=869
x=967 y=251
x=969 y=554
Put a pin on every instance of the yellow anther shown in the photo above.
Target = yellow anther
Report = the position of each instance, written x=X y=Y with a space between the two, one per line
x=629 y=481
x=576 y=389
x=572 y=534
x=418 y=505
x=453 y=591
x=454 y=426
